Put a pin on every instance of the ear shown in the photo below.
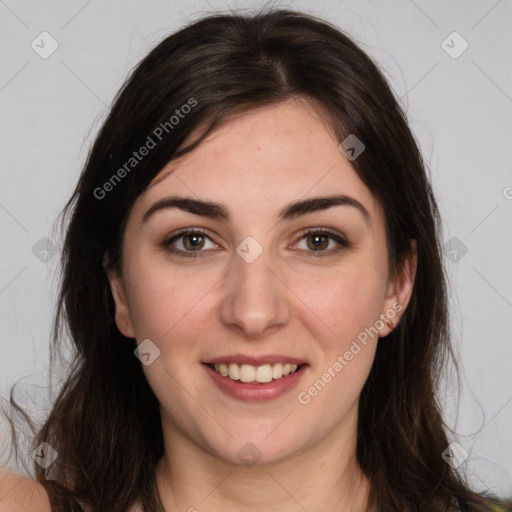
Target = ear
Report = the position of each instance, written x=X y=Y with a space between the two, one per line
x=399 y=290
x=122 y=317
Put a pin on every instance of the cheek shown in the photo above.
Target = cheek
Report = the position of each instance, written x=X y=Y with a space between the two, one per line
x=153 y=307
x=346 y=301
x=346 y=306
x=164 y=301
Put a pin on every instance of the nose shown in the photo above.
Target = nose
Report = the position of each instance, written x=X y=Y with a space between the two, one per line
x=255 y=302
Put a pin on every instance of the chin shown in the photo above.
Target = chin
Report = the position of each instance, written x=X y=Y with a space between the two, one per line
x=251 y=448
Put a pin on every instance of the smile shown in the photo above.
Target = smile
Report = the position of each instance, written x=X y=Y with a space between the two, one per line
x=260 y=381
x=256 y=374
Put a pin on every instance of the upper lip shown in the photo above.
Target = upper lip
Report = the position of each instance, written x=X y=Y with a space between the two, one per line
x=256 y=360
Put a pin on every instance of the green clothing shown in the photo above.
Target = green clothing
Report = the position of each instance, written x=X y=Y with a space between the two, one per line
x=499 y=508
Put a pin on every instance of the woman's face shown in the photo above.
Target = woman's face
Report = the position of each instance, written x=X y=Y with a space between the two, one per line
x=249 y=290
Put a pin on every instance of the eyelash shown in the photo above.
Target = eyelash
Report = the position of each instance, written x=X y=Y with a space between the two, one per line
x=333 y=235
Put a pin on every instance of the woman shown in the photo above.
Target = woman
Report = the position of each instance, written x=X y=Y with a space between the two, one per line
x=254 y=287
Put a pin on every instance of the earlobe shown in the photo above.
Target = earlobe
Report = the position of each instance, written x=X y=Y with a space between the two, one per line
x=122 y=316
x=400 y=290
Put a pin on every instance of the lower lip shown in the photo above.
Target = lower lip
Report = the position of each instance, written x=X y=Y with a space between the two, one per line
x=256 y=392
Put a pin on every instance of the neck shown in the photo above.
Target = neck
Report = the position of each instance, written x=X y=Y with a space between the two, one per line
x=325 y=477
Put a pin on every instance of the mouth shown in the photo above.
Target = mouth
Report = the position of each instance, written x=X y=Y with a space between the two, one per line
x=258 y=379
x=251 y=374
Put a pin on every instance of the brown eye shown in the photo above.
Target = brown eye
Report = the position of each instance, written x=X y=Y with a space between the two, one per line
x=317 y=242
x=189 y=242
x=193 y=242
x=322 y=242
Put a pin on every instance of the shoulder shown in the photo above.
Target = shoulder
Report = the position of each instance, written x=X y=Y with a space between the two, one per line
x=500 y=507
x=19 y=494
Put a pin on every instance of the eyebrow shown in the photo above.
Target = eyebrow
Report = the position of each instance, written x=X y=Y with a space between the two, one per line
x=289 y=212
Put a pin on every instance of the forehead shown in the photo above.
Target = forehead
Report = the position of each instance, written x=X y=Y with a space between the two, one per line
x=267 y=157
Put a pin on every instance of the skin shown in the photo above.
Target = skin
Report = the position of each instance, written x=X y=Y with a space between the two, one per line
x=21 y=494
x=195 y=309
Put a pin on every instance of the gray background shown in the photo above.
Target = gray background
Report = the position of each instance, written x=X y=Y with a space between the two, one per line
x=459 y=106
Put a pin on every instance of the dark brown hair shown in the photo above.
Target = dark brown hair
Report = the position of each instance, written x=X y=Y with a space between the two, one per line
x=105 y=423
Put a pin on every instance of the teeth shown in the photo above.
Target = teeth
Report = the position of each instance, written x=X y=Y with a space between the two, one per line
x=263 y=373
x=277 y=371
x=234 y=371
x=248 y=373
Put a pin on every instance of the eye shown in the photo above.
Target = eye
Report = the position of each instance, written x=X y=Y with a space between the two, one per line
x=322 y=242
x=189 y=242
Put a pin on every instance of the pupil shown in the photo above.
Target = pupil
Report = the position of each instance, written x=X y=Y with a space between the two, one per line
x=194 y=241
x=317 y=242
